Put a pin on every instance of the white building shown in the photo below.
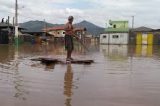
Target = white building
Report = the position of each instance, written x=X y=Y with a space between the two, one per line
x=114 y=38
x=116 y=33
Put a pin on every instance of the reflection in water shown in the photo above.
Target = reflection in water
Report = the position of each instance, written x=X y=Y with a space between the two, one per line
x=68 y=85
x=19 y=87
x=18 y=81
x=6 y=53
x=122 y=51
x=119 y=52
x=125 y=54
x=50 y=66
x=144 y=50
x=47 y=67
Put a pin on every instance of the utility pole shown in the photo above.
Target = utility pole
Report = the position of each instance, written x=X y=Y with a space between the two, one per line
x=16 y=21
x=8 y=23
x=13 y=21
x=132 y=22
x=45 y=27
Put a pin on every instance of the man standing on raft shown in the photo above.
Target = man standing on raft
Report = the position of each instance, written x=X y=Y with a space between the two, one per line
x=69 y=33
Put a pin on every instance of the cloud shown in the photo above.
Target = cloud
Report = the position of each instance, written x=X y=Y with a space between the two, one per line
x=97 y=11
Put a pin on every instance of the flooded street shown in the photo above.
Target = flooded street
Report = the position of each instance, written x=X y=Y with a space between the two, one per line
x=121 y=76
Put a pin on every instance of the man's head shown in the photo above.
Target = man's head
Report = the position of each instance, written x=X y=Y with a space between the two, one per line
x=70 y=19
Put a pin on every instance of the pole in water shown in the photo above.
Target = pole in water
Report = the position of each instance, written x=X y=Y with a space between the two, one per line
x=16 y=35
x=16 y=23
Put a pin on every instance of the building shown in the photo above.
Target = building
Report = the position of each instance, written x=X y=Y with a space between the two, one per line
x=116 y=33
x=7 y=33
x=141 y=36
x=39 y=36
x=58 y=33
x=156 y=38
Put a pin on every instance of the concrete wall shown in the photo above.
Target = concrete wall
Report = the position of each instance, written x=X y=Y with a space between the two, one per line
x=104 y=38
x=114 y=38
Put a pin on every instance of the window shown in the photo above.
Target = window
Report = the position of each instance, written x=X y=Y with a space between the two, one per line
x=104 y=36
x=114 y=26
x=63 y=32
x=57 y=32
x=115 y=36
x=78 y=33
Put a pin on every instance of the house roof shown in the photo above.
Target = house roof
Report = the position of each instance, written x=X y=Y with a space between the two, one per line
x=56 y=28
x=142 y=29
x=5 y=25
x=156 y=30
x=122 y=21
x=117 y=30
x=79 y=29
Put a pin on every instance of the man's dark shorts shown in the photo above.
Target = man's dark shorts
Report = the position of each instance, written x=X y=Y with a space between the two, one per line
x=69 y=42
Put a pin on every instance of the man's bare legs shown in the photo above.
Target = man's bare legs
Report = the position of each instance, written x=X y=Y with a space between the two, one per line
x=69 y=53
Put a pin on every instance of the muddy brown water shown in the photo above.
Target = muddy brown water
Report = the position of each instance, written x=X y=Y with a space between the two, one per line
x=121 y=76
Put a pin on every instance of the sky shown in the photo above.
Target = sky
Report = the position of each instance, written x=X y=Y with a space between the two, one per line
x=99 y=12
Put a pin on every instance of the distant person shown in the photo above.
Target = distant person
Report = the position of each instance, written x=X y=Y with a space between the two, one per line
x=2 y=20
x=69 y=33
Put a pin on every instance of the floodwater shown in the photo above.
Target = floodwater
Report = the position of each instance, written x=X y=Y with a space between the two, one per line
x=121 y=76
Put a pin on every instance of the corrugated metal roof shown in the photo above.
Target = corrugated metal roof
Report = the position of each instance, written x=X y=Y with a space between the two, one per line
x=61 y=28
x=5 y=25
x=142 y=29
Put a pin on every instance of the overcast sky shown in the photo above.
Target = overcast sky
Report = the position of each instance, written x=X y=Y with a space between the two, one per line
x=146 y=12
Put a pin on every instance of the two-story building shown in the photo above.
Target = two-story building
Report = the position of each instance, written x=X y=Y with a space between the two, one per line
x=116 y=33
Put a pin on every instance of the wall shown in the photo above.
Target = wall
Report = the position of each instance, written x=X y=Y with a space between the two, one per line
x=118 y=26
x=114 y=38
x=57 y=33
x=104 y=39
x=4 y=37
x=156 y=39
x=119 y=38
x=144 y=38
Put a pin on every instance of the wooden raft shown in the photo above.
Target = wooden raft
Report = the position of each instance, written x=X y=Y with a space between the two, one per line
x=60 y=61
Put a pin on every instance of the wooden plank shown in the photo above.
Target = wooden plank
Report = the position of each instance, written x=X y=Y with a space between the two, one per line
x=61 y=61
